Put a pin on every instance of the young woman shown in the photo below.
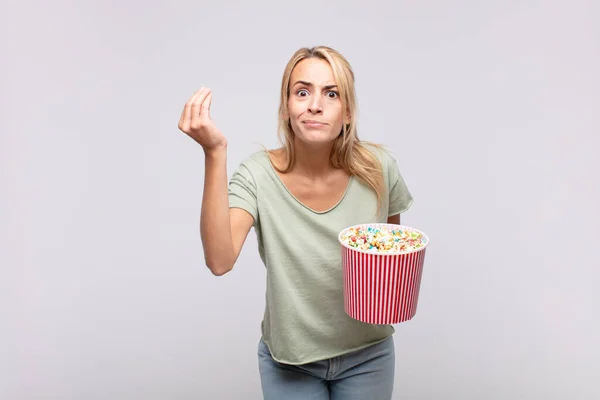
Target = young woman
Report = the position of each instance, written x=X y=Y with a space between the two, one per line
x=298 y=198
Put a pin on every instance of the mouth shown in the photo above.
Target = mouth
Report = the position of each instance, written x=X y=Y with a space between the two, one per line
x=313 y=123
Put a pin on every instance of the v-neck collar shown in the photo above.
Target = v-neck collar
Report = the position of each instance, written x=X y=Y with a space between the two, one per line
x=280 y=181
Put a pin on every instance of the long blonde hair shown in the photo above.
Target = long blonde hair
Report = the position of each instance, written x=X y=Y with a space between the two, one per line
x=348 y=152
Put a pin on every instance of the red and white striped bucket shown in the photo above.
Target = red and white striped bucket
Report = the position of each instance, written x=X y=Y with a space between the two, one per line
x=382 y=288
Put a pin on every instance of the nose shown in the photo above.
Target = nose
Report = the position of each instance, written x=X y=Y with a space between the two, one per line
x=314 y=106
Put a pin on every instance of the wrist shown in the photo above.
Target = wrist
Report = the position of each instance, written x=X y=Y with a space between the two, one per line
x=216 y=152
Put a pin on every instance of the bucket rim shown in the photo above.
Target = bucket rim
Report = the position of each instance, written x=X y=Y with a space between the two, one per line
x=389 y=226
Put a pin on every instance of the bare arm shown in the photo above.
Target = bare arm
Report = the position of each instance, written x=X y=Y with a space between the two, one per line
x=223 y=231
x=394 y=219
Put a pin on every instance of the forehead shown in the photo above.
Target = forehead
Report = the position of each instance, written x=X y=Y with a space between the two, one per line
x=313 y=70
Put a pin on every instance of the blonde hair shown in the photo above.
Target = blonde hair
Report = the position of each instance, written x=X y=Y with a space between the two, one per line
x=348 y=152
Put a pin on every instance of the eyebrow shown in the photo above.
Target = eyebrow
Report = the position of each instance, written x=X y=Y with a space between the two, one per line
x=305 y=83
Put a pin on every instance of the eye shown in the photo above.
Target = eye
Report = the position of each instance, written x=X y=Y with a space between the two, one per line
x=332 y=94
x=302 y=92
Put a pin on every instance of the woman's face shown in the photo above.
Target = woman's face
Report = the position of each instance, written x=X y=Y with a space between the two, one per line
x=314 y=105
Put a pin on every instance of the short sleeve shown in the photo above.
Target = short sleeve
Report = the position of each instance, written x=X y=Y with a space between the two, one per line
x=242 y=191
x=400 y=198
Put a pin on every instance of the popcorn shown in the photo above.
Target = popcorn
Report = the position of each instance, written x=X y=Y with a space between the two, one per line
x=383 y=240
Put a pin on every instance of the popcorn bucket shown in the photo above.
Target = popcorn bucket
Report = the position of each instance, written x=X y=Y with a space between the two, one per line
x=381 y=287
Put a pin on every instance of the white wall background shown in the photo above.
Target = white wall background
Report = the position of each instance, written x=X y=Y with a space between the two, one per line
x=491 y=106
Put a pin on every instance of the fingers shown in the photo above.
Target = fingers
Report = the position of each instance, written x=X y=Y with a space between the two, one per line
x=205 y=109
x=197 y=100
x=186 y=114
x=197 y=110
x=183 y=118
x=196 y=107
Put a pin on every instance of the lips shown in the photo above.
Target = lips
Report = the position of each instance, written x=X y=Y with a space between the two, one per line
x=313 y=123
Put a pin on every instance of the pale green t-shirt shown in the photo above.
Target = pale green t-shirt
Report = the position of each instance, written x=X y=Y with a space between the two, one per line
x=304 y=318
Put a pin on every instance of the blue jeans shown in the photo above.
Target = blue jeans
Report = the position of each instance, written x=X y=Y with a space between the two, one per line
x=363 y=374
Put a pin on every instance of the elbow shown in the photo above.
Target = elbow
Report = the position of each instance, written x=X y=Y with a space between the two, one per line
x=218 y=269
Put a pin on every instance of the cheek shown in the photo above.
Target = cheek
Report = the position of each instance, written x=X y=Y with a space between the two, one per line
x=294 y=110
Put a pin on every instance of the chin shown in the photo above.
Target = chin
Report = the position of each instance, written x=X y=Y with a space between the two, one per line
x=315 y=136
x=313 y=140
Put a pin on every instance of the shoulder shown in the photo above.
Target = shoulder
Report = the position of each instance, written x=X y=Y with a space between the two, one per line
x=264 y=157
x=384 y=155
x=254 y=161
x=255 y=167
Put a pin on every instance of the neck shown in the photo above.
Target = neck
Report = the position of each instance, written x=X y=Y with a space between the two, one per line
x=312 y=161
